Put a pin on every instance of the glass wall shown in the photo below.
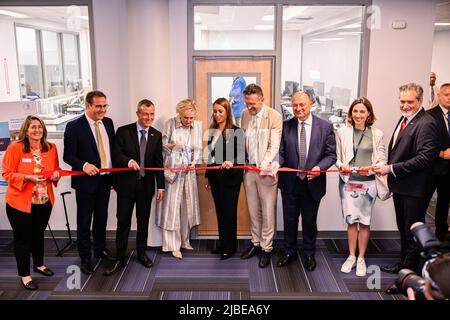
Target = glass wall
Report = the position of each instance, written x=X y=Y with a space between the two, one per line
x=30 y=78
x=321 y=52
x=228 y=27
x=45 y=61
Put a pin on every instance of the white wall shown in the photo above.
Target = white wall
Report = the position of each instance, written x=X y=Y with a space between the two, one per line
x=441 y=56
x=397 y=57
x=244 y=40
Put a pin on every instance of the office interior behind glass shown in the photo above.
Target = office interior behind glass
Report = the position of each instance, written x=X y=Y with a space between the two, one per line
x=47 y=59
x=321 y=55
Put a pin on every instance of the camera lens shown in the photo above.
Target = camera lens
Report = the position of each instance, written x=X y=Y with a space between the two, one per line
x=409 y=279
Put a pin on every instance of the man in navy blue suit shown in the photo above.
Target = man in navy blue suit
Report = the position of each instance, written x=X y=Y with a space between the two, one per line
x=88 y=141
x=307 y=143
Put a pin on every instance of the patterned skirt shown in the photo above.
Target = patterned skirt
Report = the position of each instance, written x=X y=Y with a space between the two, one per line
x=357 y=198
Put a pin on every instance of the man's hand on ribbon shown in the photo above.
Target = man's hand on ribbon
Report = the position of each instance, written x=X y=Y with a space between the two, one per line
x=227 y=165
x=314 y=172
x=133 y=165
x=90 y=169
x=383 y=170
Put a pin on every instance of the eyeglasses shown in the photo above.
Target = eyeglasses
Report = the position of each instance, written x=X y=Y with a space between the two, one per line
x=99 y=106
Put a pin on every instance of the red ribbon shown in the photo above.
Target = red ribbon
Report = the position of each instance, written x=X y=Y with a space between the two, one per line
x=65 y=173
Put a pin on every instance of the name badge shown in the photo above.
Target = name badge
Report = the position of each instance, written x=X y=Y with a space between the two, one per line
x=26 y=160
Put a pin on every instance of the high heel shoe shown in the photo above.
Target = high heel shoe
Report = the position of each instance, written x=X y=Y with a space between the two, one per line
x=177 y=254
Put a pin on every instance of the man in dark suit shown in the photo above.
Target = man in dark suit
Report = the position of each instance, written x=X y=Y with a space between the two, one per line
x=441 y=168
x=412 y=151
x=87 y=147
x=136 y=146
x=307 y=143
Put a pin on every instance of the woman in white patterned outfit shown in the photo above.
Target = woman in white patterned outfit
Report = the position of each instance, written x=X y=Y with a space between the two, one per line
x=359 y=146
x=182 y=148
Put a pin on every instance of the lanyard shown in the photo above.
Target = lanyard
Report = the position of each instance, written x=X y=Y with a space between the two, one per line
x=355 y=150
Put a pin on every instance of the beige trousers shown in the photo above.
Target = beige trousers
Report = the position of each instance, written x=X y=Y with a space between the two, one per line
x=262 y=203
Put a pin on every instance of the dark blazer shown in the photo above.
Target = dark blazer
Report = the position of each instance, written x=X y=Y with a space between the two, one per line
x=441 y=166
x=321 y=153
x=126 y=147
x=231 y=149
x=80 y=147
x=412 y=157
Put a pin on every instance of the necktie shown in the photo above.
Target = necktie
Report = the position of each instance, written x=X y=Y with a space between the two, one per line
x=302 y=151
x=402 y=127
x=448 y=122
x=432 y=94
x=100 y=146
x=142 y=147
x=252 y=142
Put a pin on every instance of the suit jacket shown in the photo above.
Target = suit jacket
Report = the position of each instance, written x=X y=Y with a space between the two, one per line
x=321 y=153
x=80 y=147
x=16 y=164
x=126 y=147
x=269 y=134
x=230 y=149
x=441 y=166
x=412 y=157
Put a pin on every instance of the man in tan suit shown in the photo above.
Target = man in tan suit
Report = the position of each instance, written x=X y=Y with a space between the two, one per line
x=262 y=126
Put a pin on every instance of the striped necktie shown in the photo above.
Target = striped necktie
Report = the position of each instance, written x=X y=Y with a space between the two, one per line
x=302 y=151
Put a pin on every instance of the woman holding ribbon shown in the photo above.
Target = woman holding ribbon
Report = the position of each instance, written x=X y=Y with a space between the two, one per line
x=226 y=148
x=359 y=147
x=182 y=149
x=29 y=196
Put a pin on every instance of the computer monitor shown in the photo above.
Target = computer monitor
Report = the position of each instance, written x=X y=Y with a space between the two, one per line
x=340 y=96
x=319 y=88
x=290 y=87
x=310 y=91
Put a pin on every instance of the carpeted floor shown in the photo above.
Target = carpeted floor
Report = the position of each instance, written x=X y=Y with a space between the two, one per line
x=201 y=275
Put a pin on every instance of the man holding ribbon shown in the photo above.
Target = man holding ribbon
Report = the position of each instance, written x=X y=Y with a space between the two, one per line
x=307 y=143
x=137 y=146
x=87 y=147
x=411 y=154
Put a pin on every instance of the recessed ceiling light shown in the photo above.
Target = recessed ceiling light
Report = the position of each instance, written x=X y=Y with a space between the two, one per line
x=442 y=24
x=349 y=33
x=351 y=26
x=267 y=17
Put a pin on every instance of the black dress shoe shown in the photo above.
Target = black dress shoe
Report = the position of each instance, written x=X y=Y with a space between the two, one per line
x=225 y=256
x=104 y=254
x=395 y=268
x=286 y=259
x=264 y=261
x=145 y=261
x=392 y=290
x=46 y=272
x=118 y=265
x=30 y=285
x=86 y=266
x=310 y=263
x=250 y=252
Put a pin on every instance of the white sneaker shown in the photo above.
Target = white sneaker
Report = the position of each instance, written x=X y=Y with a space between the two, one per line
x=348 y=264
x=361 y=267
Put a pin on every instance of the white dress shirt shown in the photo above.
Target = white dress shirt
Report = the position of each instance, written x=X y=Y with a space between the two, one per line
x=308 y=128
x=105 y=140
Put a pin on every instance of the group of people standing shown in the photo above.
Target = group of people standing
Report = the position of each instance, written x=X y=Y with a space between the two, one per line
x=414 y=163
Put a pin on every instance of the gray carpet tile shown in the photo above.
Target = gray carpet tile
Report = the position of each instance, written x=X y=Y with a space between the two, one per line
x=301 y=296
x=201 y=275
x=261 y=279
